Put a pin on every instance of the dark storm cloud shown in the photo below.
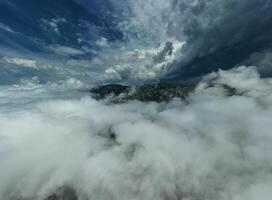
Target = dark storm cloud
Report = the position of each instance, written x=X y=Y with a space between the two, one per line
x=220 y=34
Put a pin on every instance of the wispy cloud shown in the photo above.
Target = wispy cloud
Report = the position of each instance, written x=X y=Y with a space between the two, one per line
x=65 y=50
x=21 y=61
x=53 y=24
x=6 y=28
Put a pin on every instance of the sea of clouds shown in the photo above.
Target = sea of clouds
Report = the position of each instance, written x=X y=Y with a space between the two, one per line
x=211 y=146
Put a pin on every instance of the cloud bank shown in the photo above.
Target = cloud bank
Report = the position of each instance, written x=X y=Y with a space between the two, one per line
x=210 y=146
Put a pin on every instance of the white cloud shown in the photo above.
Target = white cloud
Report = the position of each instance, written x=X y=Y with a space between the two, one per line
x=6 y=28
x=65 y=50
x=212 y=146
x=82 y=63
x=21 y=61
x=53 y=24
x=102 y=42
x=140 y=64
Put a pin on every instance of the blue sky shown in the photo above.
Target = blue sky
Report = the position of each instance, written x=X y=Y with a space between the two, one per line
x=131 y=41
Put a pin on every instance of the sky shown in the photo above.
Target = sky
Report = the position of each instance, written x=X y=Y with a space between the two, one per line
x=131 y=41
x=211 y=145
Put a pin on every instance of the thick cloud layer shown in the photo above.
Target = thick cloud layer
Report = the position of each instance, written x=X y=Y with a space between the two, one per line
x=211 y=146
x=216 y=33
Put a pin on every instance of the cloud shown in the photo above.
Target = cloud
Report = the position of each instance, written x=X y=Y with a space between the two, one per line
x=127 y=63
x=65 y=50
x=130 y=38
x=102 y=42
x=211 y=146
x=204 y=27
x=53 y=24
x=21 y=61
x=6 y=28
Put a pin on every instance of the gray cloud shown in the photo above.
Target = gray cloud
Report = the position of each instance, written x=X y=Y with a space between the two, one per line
x=217 y=34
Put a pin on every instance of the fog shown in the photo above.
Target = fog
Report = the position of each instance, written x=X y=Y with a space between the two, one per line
x=211 y=146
